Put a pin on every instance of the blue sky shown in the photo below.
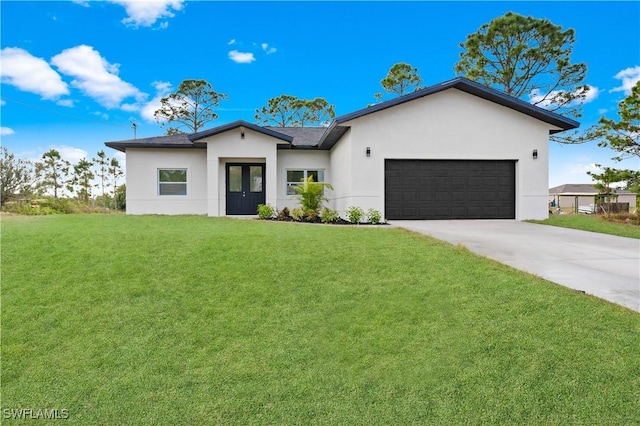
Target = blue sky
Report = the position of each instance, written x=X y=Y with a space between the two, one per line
x=76 y=74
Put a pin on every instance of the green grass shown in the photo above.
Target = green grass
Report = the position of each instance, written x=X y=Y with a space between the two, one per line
x=193 y=320
x=593 y=223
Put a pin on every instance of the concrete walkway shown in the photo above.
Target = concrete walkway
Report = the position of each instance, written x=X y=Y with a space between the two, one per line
x=602 y=265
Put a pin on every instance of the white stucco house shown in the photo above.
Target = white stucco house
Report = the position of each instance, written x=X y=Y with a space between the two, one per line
x=456 y=150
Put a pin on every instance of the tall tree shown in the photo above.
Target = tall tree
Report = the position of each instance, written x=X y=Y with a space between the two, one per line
x=278 y=112
x=604 y=180
x=623 y=136
x=315 y=112
x=16 y=176
x=81 y=181
x=121 y=197
x=52 y=172
x=526 y=57
x=191 y=106
x=102 y=163
x=115 y=173
x=290 y=111
x=401 y=79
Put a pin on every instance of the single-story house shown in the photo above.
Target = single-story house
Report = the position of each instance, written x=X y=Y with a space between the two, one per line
x=455 y=150
x=574 y=195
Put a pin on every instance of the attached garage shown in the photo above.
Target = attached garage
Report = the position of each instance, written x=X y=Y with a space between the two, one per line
x=450 y=189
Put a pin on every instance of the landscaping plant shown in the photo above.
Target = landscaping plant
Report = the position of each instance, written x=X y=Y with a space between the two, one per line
x=311 y=195
x=355 y=214
x=283 y=214
x=265 y=211
x=297 y=214
x=374 y=216
x=329 y=216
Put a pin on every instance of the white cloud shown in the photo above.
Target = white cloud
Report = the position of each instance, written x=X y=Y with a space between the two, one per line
x=70 y=153
x=232 y=41
x=163 y=88
x=267 y=49
x=84 y=3
x=538 y=98
x=5 y=131
x=102 y=115
x=629 y=77
x=30 y=74
x=592 y=94
x=146 y=13
x=130 y=107
x=94 y=76
x=2 y=102
x=582 y=169
x=65 y=103
x=241 y=57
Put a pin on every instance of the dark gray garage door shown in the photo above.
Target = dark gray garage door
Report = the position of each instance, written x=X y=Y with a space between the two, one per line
x=450 y=189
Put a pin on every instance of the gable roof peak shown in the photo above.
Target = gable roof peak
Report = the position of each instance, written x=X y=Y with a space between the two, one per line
x=234 y=125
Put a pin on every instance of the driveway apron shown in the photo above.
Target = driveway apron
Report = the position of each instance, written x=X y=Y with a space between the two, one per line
x=605 y=266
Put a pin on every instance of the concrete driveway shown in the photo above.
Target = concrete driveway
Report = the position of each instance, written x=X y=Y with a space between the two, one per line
x=602 y=265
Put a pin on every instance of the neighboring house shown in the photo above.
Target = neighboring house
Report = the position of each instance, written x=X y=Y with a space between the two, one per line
x=456 y=150
x=574 y=195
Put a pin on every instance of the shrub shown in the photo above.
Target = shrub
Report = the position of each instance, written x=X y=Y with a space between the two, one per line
x=265 y=211
x=42 y=206
x=374 y=216
x=628 y=218
x=355 y=214
x=283 y=214
x=329 y=216
x=311 y=215
x=311 y=194
x=27 y=208
x=297 y=214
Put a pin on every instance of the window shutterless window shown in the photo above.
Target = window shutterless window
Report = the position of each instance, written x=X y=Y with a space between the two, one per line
x=172 y=181
x=296 y=177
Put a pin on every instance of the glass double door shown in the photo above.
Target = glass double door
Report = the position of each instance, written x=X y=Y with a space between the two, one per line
x=245 y=188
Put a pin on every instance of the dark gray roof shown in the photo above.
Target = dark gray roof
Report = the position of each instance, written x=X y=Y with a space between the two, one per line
x=240 y=123
x=303 y=137
x=190 y=140
x=580 y=188
x=171 y=141
x=476 y=89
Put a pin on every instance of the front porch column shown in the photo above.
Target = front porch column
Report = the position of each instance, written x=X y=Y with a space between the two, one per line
x=271 y=194
x=213 y=194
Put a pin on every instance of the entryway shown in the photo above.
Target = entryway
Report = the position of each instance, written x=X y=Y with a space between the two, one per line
x=245 y=188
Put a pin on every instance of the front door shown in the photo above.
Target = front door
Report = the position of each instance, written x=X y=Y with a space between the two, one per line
x=245 y=188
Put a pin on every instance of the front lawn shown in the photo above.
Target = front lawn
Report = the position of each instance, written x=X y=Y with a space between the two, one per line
x=194 y=320
x=593 y=223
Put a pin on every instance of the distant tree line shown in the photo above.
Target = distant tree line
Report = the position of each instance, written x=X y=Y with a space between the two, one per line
x=60 y=185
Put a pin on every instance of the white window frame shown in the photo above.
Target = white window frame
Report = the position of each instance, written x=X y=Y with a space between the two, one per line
x=185 y=183
x=290 y=185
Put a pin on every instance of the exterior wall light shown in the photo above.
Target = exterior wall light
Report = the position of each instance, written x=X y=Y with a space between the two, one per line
x=535 y=154
x=241 y=132
x=368 y=151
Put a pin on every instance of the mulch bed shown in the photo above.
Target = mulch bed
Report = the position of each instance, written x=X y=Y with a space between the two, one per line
x=340 y=221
